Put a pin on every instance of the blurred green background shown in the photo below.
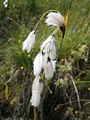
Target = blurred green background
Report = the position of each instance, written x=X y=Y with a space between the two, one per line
x=16 y=21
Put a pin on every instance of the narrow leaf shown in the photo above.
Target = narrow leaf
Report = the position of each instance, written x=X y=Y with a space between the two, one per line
x=6 y=91
x=66 y=19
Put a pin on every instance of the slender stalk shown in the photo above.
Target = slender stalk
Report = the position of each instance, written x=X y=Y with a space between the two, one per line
x=76 y=90
x=83 y=82
x=51 y=11
x=73 y=101
x=42 y=18
x=61 y=43
x=34 y=113
x=55 y=31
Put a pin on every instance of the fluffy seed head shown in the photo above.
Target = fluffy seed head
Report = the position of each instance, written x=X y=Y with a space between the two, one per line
x=54 y=19
x=37 y=64
x=48 y=66
x=37 y=88
x=5 y=3
x=29 y=42
x=48 y=46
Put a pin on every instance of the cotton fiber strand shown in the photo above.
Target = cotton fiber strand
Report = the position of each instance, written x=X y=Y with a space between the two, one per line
x=37 y=64
x=48 y=66
x=52 y=51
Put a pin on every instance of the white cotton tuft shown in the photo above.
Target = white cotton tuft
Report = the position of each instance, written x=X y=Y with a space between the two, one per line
x=53 y=65
x=37 y=88
x=48 y=66
x=48 y=46
x=29 y=42
x=5 y=3
x=45 y=44
x=54 y=19
x=37 y=64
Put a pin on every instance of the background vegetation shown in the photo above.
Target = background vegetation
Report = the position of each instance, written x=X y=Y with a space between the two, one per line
x=16 y=75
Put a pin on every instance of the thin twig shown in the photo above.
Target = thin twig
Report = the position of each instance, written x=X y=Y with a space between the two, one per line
x=82 y=82
x=79 y=74
x=87 y=103
x=74 y=101
x=76 y=90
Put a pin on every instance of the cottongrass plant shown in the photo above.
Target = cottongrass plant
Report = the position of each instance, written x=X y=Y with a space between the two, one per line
x=45 y=59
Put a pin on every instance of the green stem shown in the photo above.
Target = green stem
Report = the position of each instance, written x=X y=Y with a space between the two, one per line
x=55 y=31
x=34 y=113
x=61 y=44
